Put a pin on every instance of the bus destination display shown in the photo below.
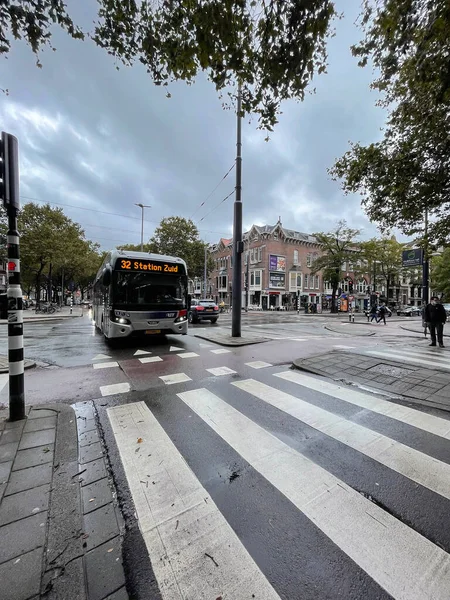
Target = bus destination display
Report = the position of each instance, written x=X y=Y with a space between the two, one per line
x=148 y=265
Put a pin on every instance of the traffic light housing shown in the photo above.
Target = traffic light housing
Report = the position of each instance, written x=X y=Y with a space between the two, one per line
x=350 y=286
x=9 y=171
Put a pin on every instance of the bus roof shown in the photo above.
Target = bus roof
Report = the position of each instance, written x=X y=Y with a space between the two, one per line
x=119 y=254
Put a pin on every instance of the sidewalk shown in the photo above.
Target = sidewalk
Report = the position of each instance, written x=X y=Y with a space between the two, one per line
x=60 y=527
x=4 y=364
x=425 y=386
x=30 y=316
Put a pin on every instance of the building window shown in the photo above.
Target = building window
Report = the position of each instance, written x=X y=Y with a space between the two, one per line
x=362 y=286
x=295 y=257
x=317 y=282
x=309 y=260
x=257 y=277
x=299 y=281
x=305 y=281
x=259 y=254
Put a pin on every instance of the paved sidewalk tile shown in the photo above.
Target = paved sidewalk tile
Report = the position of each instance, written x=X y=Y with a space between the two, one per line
x=89 y=437
x=40 y=424
x=95 y=495
x=40 y=413
x=121 y=594
x=37 y=438
x=8 y=451
x=101 y=526
x=22 y=536
x=21 y=577
x=103 y=576
x=93 y=471
x=24 y=504
x=10 y=435
x=91 y=452
x=33 y=457
x=26 y=479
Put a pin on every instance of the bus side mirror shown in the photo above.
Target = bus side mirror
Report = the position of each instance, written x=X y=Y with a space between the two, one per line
x=189 y=300
x=106 y=280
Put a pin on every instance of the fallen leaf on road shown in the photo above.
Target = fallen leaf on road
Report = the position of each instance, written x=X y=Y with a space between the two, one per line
x=111 y=549
x=35 y=510
x=139 y=440
x=46 y=450
x=92 y=500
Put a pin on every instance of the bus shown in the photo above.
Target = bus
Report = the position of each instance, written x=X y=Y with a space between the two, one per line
x=138 y=293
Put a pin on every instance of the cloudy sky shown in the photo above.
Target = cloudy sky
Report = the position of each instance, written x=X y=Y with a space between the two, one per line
x=98 y=140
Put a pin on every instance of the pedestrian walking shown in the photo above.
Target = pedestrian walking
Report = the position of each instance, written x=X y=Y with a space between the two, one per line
x=436 y=316
x=382 y=313
x=373 y=313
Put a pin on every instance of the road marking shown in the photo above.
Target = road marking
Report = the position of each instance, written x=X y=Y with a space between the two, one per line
x=389 y=551
x=115 y=388
x=417 y=466
x=188 y=355
x=220 y=351
x=410 y=416
x=175 y=378
x=101 y=357
x=194 y=551
x=150 y=359
x=342 y=347
x=300 y=339
x=105 y=365
x=221 y=371
x=205 y=345
x=258 y=364
x=139 y=352
x=175 y=349
x=4 y=379
x=396 y=356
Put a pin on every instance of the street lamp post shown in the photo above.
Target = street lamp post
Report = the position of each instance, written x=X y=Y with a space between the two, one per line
x=142 y=206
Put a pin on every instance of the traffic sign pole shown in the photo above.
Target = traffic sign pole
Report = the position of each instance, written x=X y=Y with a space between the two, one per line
x=9 y=167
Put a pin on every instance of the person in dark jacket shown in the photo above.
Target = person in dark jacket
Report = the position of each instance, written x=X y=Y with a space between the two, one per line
x=436 y=316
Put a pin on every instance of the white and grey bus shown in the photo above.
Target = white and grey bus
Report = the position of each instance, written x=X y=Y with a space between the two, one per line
x=140 y=293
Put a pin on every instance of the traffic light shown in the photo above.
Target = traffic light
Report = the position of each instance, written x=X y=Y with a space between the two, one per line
x=9 y=171
x=350 y=286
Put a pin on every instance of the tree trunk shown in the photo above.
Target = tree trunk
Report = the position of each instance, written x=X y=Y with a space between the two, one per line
x=333 y=300
x=38 y=283
x=49 y=286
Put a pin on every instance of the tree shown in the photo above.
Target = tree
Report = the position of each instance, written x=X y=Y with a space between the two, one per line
x=50 y=242
x=176 y=236
x=338 y=246
x=440 y=273
x=273 y=48
x=408 y=172
x=383 y=257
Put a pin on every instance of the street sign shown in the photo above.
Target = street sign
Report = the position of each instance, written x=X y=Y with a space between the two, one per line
x=412 y=257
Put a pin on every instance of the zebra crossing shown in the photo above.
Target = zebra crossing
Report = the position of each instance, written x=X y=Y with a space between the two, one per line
x=283 y=485
x=435 y=358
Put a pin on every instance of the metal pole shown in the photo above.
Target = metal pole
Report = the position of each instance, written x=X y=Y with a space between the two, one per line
x=142 y=230
x=425 y=266
x=237 y=230
x=62 y=286
x=248 y=282
x=15 y=322
x=204 y=274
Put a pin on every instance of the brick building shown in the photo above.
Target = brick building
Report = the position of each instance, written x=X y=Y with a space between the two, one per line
x=278 y=262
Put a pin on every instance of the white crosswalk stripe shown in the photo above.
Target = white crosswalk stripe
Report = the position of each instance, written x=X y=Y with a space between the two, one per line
x=194 y=551
x=184 y=521
x=423 y=358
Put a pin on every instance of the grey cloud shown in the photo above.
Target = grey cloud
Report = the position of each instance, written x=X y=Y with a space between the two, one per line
x=170 y=153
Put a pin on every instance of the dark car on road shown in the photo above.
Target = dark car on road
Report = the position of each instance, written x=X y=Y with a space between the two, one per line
x=203 y=310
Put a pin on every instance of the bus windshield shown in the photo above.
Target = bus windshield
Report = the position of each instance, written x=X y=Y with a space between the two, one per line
x=144 y=291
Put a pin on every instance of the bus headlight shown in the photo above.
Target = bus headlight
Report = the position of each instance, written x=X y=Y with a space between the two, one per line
x=182 y=316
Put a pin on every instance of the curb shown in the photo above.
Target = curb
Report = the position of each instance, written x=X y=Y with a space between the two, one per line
x=420 y=332
x=43 y=319
x=28 y=364
x=368 y=334
x=365 y=387
x=233 y=342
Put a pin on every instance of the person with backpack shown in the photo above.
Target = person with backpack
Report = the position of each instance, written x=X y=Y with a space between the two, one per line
x=382 y=313
x=373 y=313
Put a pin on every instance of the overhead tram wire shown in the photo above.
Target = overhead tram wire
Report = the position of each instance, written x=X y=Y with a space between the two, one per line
x=105 y=213
x=209 y=196
x=217 y=206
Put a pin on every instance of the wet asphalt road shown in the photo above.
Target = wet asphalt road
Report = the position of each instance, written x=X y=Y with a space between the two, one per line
x=367 y=522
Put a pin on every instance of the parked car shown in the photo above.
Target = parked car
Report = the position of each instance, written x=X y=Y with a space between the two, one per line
x=447 y=308
x=409 y=311
x=203 y=310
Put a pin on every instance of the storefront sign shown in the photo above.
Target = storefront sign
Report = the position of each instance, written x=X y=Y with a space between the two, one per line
x=277 y=263
x=277 y=280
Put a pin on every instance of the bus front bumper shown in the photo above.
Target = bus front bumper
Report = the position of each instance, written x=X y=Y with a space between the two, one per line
x=166 y=326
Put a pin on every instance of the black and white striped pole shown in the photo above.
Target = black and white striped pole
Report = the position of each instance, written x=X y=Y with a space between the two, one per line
x=10 y=196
